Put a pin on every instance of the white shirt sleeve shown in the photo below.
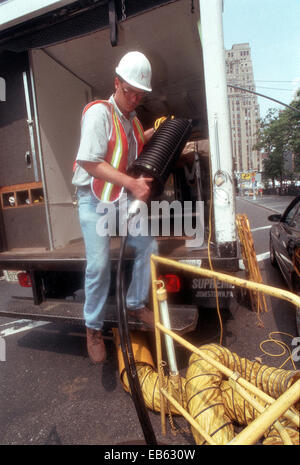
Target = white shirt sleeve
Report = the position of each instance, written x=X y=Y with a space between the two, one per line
x=95 y=133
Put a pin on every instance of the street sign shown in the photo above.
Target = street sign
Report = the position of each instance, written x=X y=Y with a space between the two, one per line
x=248 y=176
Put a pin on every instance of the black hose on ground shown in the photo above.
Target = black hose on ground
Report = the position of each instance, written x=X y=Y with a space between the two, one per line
x=125 y=340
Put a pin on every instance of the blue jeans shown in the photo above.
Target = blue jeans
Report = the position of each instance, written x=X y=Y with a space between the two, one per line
x=97 y=274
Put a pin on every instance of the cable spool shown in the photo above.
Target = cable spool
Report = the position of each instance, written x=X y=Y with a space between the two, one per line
x=161 y=153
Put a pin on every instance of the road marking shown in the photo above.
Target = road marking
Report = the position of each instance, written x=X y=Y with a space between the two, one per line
x=275 y=207
x=262 y=256
x=19 y=326
x=261 y=228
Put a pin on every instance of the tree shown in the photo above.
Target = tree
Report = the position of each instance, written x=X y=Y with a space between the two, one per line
x=278 y=135
x=293 y=121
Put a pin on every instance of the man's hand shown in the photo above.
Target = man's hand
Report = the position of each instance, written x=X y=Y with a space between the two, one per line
x=140 y=188
x=148 y=134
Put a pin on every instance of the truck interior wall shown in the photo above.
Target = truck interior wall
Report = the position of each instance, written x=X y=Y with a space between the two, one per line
x=169 y=37
x=25 y=228
x=69 y=74
x=60 y=98
x=22 y=226
x=14 y=137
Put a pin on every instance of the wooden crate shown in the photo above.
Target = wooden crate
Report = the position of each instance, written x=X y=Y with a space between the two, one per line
x=21 y=195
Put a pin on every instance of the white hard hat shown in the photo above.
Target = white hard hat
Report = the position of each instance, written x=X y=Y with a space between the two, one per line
x=135 y=69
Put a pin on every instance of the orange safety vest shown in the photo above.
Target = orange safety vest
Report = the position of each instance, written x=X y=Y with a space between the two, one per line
x=117 y=153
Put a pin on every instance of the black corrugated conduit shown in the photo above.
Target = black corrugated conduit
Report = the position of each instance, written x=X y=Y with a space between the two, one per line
x=160 y=155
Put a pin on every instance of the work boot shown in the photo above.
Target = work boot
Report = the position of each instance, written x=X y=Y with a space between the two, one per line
x=143 y=315
x=95 y=345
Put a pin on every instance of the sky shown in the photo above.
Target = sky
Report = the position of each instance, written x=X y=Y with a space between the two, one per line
x=272 y=29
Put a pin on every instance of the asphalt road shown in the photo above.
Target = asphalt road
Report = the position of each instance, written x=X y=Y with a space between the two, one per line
x=52 y=394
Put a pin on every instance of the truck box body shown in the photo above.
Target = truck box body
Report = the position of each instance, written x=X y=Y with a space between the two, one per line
x=49 y=78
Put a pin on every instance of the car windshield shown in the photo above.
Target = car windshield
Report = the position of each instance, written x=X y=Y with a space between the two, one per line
x=293 y=216
x=296 y=218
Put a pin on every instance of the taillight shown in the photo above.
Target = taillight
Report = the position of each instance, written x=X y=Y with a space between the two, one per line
x=24 y=279
x=172 y=282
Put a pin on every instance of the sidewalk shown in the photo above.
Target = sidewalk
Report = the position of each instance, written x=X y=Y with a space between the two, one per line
x=275 y=203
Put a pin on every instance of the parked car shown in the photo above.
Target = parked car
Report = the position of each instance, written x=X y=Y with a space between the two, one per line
x=285 y=247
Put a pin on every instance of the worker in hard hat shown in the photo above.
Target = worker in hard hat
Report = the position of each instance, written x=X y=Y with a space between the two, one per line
x=111 y=138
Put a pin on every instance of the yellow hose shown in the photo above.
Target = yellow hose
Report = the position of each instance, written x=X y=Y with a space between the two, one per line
x=207 y=394
x=216 y=404
x=148 y=377
x=204 y=401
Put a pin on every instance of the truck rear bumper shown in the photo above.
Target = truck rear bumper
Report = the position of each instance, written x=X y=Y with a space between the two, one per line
x=72 y=256
x=183 y=318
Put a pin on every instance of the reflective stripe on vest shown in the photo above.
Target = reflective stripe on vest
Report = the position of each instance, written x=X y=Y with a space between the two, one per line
x=117 y=156
x=117 y=152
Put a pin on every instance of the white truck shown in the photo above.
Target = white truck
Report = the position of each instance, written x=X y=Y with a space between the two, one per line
x=56 y=59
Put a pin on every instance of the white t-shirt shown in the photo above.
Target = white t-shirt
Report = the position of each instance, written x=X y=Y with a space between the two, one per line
x=96 y=130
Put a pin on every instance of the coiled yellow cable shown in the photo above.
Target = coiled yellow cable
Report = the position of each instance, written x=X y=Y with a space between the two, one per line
x=281 y=344
x=209 y=254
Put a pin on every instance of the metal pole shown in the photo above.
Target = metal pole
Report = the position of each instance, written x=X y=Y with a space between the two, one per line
x=211 y=36
x=38 y=137
x=289 y=414
x=256 y=429
x=264 y=96
x=164 y=312
x=30 y=123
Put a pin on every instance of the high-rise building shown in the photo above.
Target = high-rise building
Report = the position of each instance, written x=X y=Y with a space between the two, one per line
x=244 y=108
